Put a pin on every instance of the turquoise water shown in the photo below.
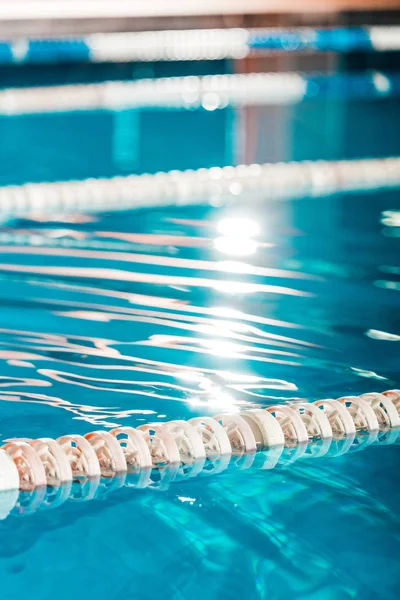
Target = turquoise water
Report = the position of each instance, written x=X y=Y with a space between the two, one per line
x=152 y=315
x=106 y=343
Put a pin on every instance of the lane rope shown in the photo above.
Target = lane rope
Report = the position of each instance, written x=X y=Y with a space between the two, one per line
x=210 y=92
x=197 y=44
x=202 y=186
x=324 y=427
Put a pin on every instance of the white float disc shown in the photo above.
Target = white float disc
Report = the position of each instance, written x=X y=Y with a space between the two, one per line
x=81 y=455
x=265 y=428
x=188 y=440
x=316 y=422
x=30 y=467
x=291 y=423
x=385 y=411
x=339 y=418
x=108 y=451
x=134 y=447
x=239 y=433
x=394 y=396
x=362 y=413
x=213 y=435
x=9 y=476
x=55 y=461
x=162 y=445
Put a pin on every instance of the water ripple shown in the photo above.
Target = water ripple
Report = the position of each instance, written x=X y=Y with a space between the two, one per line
x=175 y=314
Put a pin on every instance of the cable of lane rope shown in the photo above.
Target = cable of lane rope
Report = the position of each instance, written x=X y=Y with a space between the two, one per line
x=209 y=92
x=197 y=44
x=203 y=444
x=271 y=180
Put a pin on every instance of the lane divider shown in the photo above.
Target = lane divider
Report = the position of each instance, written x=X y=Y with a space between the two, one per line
x=202 y=444
x=260 y=181
x=197 y=44
x=210 y=92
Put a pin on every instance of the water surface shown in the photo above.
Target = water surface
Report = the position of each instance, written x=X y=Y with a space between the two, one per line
x=150 y=315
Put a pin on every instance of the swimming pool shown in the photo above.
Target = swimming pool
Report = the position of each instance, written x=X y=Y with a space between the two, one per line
x=121 y=318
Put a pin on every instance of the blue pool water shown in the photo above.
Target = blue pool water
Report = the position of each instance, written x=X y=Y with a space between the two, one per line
x=151 y=315
x=106 y=344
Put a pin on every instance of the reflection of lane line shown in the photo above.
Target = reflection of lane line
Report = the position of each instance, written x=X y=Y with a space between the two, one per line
x=258 y=182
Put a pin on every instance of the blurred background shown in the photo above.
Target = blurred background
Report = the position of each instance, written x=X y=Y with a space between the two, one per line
x=346 y=54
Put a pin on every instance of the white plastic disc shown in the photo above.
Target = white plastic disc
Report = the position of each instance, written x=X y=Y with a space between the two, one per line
x=213 y=435
x=316 y=422
x=188 y=440
x=134 y=446
x=394 y=396
x=81 y=455
x=9 y=476
x=54 y=460
x=265 y=428
x=291 y=423
x=362 y=413
x=30 y=467
x=339 y=418
x=239 y=433
x=108 y=451
x=385 y=411
x=162 y=446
